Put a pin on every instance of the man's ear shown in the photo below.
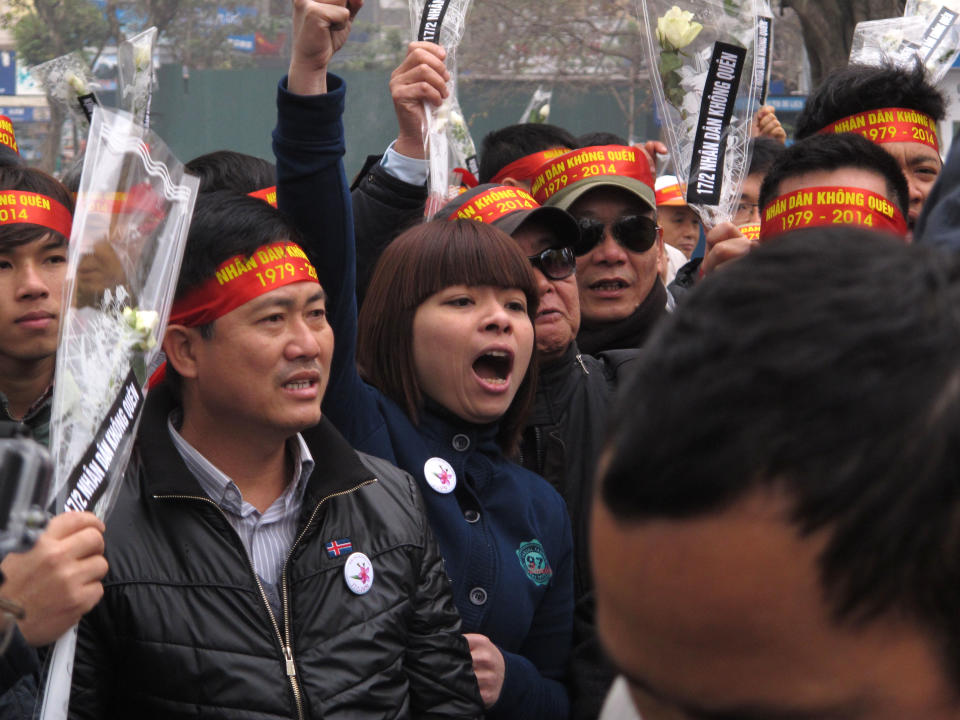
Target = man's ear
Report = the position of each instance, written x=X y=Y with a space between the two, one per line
x=180 y=346
x=512 y=183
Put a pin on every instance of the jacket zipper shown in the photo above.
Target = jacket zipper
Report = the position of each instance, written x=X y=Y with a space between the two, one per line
x=582 y=364
x=282 y=638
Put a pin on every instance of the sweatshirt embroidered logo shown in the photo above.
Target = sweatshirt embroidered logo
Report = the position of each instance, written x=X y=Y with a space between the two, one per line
x=358 y=572
x=534 y=561
x=336 y=547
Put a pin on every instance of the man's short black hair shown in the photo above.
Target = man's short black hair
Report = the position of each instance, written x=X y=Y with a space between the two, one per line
x=600 y=138
x=824 y=366
x=858 y=88
x=502 y=147
x=764 y=152
x=227 y=223
x=229 y=170
x=836 y=152
x=27 y=179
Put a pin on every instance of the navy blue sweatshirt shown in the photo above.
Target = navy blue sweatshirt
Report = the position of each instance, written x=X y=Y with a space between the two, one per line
x=504 y=532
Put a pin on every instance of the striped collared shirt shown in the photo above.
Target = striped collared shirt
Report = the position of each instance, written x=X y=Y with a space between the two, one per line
x=266 y=536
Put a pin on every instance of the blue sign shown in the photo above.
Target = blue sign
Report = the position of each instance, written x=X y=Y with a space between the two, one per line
x=8 y=72
x=787 y=103
x=18 y=114
x=243 y=43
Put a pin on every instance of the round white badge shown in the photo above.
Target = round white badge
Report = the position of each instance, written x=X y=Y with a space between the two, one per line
x=440 y=475
x=358 y=572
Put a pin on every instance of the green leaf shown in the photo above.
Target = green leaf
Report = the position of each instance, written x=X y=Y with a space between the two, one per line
x=669 y=62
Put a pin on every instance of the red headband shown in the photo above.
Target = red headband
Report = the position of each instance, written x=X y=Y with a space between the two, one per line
x=670 y=194
x=750 y=232
x=7 y=136
x=827 y=206
x=526 y=167
x=18 y=206
x=495 y=203
x=241 y=279
x=268 y=195
x=888 y=125
x=590 y=163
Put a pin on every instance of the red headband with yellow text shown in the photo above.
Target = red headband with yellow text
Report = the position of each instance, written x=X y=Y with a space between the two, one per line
x=268 y=195
x=827 y=206
x=19 y=206
x=526 y=167
x=888 y=125
x=495 y=203
x=590 y=162
x=7 y=136
x=751 y=231
x=674 y=194
x=241 y=279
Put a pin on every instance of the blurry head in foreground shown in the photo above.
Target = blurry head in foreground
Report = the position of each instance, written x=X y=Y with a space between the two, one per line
x=795 y=553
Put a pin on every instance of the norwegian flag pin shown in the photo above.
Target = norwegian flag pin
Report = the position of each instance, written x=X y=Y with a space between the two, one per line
x=440 y=475
x=358 y=572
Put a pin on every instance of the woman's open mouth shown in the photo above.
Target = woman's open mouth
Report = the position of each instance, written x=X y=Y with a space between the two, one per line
x=493 y=369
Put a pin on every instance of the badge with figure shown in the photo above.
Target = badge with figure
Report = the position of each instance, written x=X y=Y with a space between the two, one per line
x=440 y=475
x=358 y=572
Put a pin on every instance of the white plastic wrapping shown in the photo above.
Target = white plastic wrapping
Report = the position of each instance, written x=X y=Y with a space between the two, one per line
x=538 y=109
x=447 y=139
x=69 y=83
x=706 y=94
x=129 y=230
x=933 y=39
x=136 y=74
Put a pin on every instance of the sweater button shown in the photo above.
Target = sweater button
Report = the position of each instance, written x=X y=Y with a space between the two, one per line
x=471 y=516
x=461 y=442
x=478 y=596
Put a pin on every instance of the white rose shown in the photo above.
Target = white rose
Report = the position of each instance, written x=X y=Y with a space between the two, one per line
x=545 y=111
x=676 y=28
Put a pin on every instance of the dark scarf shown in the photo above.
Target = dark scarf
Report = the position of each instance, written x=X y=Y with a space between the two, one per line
x=631 y=332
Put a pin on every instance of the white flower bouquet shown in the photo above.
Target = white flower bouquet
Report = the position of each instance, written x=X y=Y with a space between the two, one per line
x=706 y=93
x=129 y=230
x=538 y=109
x=69 y=83
x=928 y=31
x=446 y=138
x=136 y=75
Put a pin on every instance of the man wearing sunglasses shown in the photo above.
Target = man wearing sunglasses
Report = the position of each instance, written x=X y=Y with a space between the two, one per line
x=565 y=430
x=609 y=190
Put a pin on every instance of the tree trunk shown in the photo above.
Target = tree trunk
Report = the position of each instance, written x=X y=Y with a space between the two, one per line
x=51 y=144
x=828 y=28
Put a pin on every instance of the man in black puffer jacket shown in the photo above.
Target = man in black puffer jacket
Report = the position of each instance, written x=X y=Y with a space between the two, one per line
x=260 y=568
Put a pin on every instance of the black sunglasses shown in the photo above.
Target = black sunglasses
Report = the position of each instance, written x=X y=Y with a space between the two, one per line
x=556 y=263
x=636 y=233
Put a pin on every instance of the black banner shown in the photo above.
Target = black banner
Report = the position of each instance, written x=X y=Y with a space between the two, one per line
x=88 y=481
x=710 y=144
x=87 y=103
x=935 y=32
x=761 y=60
x=432 y=20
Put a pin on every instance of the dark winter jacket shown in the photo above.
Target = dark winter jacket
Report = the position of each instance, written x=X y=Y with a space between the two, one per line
x=185 y=630
x=562 y=442
x=503 y=515
x=383 y=207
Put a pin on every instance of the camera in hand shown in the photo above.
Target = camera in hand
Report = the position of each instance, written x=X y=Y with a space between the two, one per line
x=25 y=475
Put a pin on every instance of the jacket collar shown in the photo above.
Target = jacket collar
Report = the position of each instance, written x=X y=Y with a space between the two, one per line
x=338 y=467
x=440 y=425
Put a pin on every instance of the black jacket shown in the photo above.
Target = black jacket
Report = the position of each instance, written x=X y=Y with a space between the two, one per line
x=184 y=630
x=562 y=442
x=383 y=207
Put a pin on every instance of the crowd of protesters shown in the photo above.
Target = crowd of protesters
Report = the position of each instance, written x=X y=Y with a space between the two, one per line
x=533 y=458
